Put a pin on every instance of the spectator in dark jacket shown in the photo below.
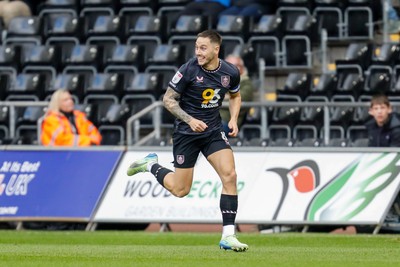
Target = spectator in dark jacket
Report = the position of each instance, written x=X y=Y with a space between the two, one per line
x=384 y=128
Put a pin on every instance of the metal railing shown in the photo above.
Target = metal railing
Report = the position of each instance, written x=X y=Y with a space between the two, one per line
x=133 y=125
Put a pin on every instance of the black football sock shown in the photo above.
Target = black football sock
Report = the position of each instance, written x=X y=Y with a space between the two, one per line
x=159 y=172
x=228 y=205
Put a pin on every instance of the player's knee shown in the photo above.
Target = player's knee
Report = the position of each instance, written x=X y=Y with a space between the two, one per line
x=181 y=192
x=229 y=178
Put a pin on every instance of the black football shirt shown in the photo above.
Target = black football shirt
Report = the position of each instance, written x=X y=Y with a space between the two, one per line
x=202 y=92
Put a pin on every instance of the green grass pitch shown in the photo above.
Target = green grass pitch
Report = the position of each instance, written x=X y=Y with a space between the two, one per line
x=130 y=248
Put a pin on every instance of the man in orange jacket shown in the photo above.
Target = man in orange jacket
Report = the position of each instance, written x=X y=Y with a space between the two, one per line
x=64 y=126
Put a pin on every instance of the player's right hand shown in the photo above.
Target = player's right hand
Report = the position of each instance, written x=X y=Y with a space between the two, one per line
x=197 y=126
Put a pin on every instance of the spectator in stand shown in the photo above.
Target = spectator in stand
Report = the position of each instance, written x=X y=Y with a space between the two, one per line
x=251 y=8
x=246 y=92
x=12 y=9
x=65 y=126
x=384 y=127
x=393 y=17
x=210 y=8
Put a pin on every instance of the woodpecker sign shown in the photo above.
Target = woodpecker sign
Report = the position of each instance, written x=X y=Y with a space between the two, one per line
x=280 y=188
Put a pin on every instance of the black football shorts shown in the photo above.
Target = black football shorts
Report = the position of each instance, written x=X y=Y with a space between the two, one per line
x=186 y=148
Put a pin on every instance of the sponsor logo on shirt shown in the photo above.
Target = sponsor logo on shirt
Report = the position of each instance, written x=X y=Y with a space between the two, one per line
x=199 y=79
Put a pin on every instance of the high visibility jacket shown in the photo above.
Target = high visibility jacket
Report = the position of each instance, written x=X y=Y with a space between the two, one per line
x=58 y=131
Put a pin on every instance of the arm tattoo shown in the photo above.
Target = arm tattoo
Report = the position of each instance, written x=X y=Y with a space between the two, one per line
x=171 y=103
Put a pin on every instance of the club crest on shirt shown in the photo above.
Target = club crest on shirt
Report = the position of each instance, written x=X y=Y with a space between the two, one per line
x=225 y=80
x=177 y=77
x=180 y=159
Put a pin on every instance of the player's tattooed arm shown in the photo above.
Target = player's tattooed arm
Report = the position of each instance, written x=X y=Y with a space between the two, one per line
x=171 y=102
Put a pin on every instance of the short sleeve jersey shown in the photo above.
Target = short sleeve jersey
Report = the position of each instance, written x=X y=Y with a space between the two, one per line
x=202 y=92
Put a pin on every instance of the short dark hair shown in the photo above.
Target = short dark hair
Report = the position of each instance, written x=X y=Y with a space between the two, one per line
x=214 y=36
x=380 y=99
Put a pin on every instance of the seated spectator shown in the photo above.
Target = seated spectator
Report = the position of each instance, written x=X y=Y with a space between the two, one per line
x=246 y=92
x=12 y=9
x=384 y=127
x=210 y=8
x=65 y=126
x=251 y=8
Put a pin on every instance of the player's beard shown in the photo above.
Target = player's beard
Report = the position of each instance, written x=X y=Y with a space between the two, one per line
x=206 y=62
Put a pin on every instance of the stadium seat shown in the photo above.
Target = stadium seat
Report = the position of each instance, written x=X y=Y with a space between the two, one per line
x=350 y=80
x=149 y=44
x=10 y=57
x=28 y=84
x=231 y=45
x=61 y=22
x=324 y=85
x=378 y=79
x=166 y=73
x=331 y=19
x=308 y=142
x=386 y=54
x=358 y=23
x=234 y=25
x=305 y=131
x=313 y=114
x=342 y=115
x=116 y=115
x=357 y=53
x=168 y=54
x=338 y=142
x=126 y=72
x=335 y=131
x=296 y=51
x=297 y=83
x=361 y=114
x=187 y=44
x=41 y=55
x=145 y=83
x=102 y=104
x=266 y=48
x=360 y=142
x=137 y=103
x=355 y=132
x=269 y=24
x=105 y=25
x=130 y=16
x=286 y=114
x=83 y=55
x=150 y=25
x=105 y=83
x=112 y=135
x=190 y=24
x=74 y=82
x=279 y=132
x=22 y=27
x=289 y=15
x=128 y=55
x=26 y=124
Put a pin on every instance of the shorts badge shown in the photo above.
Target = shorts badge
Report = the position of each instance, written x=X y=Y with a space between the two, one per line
x=180 y=159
